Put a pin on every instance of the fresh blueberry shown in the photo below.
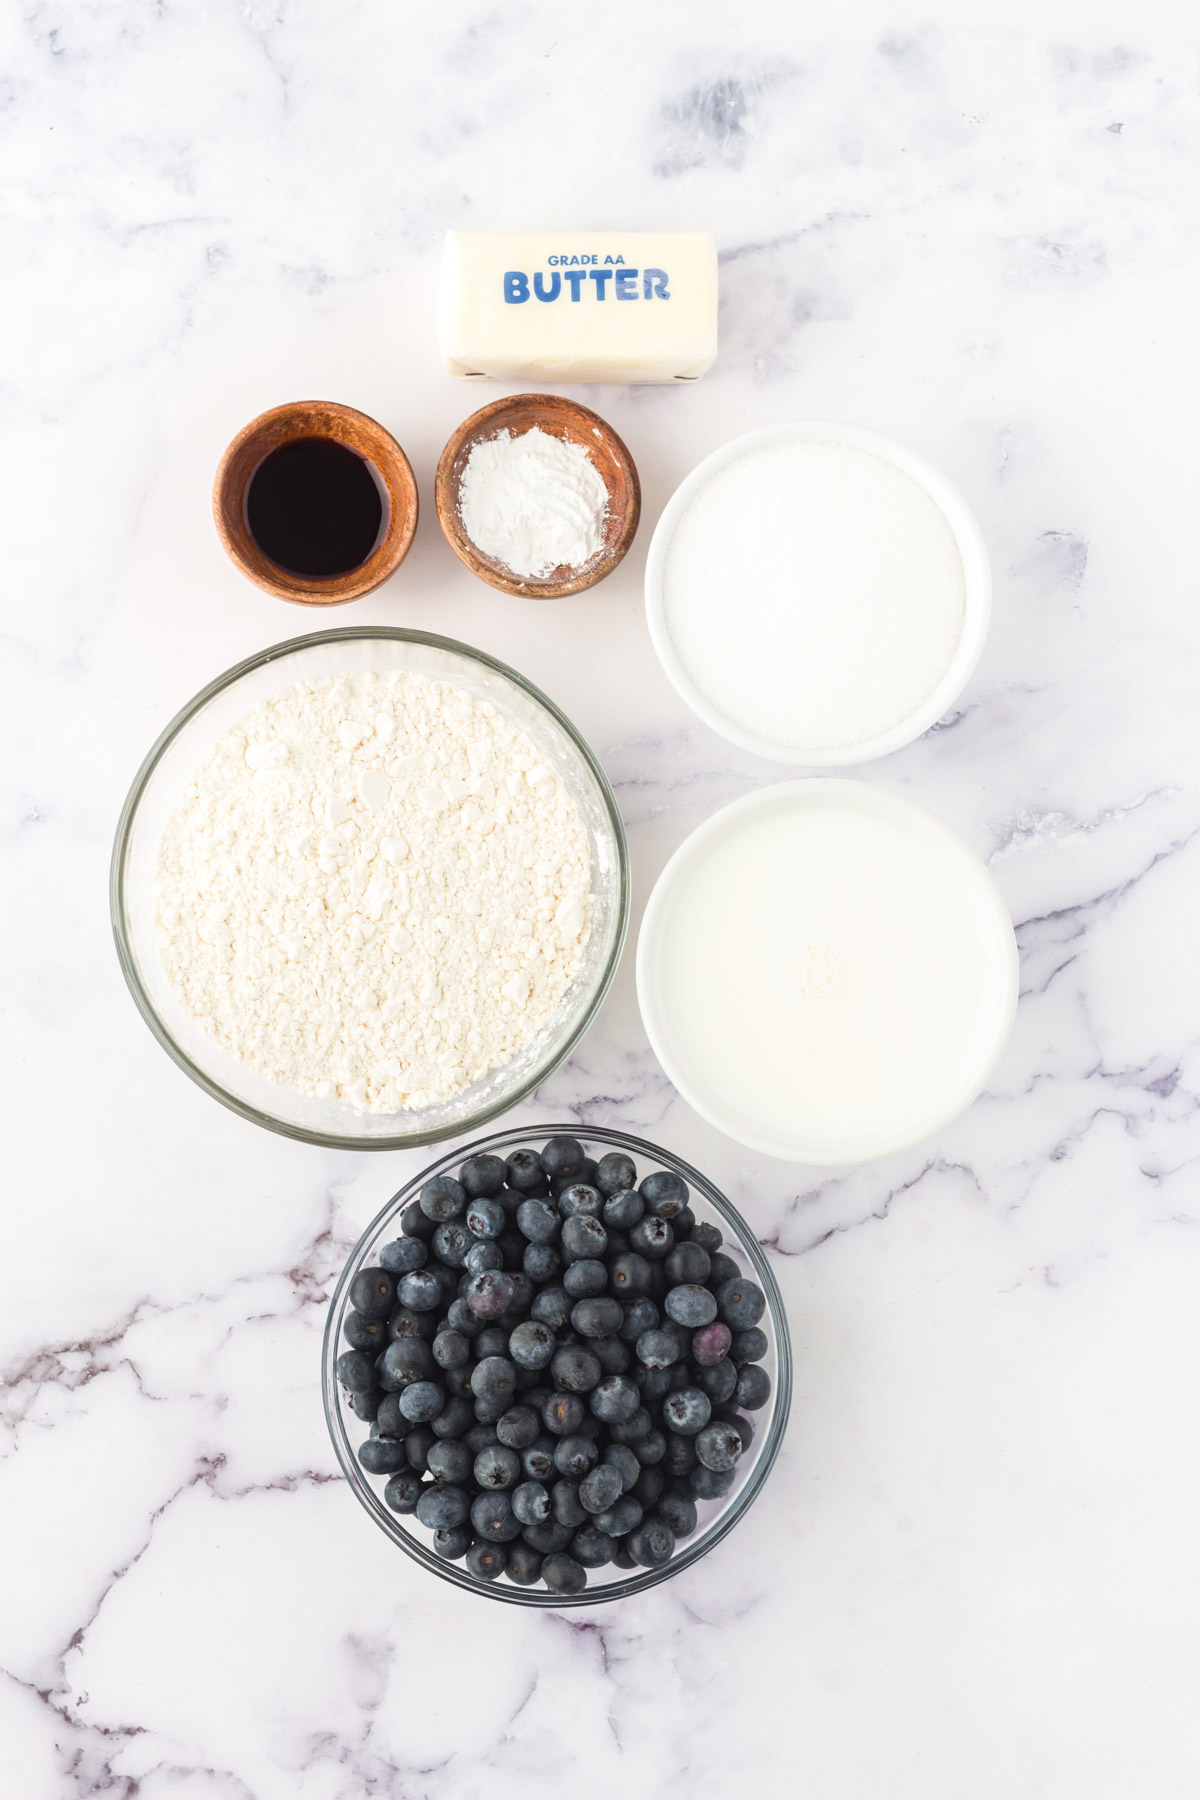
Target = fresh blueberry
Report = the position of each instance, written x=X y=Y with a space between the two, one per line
x=541 y=1263
x=362 y=1333
x=525 y=1173
x=618 y=1243
x=415 y=1223
x=583 y=1236
x=552 y=1307
x=519 y=1427
x=650 y=1449
x=722 y=1268
x=441 y=1507
x=691 y=1307
x=355 y=1369
x=654 y=1383
x=563 y=1156
x=658 y=1348
x=708 y=1236
x=403 y=1491
x=422 y=1401
x=684 y=1222
x=531 y=1502
x=532 y=1345
x=623 y=1515
x=452 y=1541
x=538 y=1222
x=485 y=1218
x=565 y=1504
x=478 y=1437
x=623 y=1209
x=382 y=1455
x=597 y=1317
x=622 y=1558
x=665 y=1194
x=483 y=1255
x=585 y=1278
x=753 y=1388
x=563 y=1575
x=420 y=1291
x=624 y=1462
x=687 y=1411
x=404 y=1361
x=719 y=1446
x=524 y=1565
x=677 y=1511
x=481 y=1176
x=451 y=1349
x=459 y=1317
x=652 y=1544
x=451 y=1242
x=493 y=1341
x=522 y=1299
x=563 y=1414
x=442 y=1198
x=455 y=1418
x=494 y=1379
x=373 y=1293
x=537 y=1460
x=548 y=1536
x=718 y=1381
x=497 y=1466
x=648 y=1486
x=688 y=1263
x=615 y=1400
x=630 y=1276
x=574 y=1456
x=614 y=1356
x=652 y=1238
x=601 y=1488
x=489 y=1294
x=575 y=1370
x=390 y=1419
x=742 y=1303
x=710 y=1484
x=633 y=1430
x=681 y=1457
x=449 y=1461
x=580 y=1201
x=404 y=1322
x=493 y=1518
x=403 y=1255
x=486 y=1561
x=365 y=1404
x=591 y=1547
x=615 y=1173
x=417 y=1445
x=711 y=1344
x=640 y=1315
x=511 y=1246
x=586 y=1175
x=748 y=1347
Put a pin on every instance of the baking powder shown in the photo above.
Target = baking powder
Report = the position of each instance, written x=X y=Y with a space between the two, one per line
x=533 y=502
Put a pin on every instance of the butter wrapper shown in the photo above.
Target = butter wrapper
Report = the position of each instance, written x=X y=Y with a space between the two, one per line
x=563 y=306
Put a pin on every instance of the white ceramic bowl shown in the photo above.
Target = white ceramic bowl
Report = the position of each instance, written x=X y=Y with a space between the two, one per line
x=719 y=949
x=977 y=602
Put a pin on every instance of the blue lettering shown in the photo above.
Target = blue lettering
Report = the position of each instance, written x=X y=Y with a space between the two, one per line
x=625 y=284
x=600 y=276
x=553 y=261
x=516 y=287
x=654 y=284
x=614 y=259
x=574 y=279
x=539 y=287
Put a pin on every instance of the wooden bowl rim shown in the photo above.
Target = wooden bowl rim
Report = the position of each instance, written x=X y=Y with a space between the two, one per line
x=485 y=567
x=360 y=432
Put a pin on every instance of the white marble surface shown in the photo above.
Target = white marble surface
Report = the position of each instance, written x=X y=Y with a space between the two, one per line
x=974 y=1572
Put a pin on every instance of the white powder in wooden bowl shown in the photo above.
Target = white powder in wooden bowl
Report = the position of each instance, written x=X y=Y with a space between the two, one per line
x=533 y=502
x=814 y=594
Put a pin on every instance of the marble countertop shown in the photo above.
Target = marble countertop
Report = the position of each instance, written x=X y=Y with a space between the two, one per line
x=974 y=1571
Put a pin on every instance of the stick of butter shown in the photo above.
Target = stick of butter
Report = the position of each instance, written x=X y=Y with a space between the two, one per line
x=627 y=306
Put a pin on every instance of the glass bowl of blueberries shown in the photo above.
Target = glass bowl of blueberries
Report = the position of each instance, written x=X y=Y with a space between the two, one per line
x=556 y=1367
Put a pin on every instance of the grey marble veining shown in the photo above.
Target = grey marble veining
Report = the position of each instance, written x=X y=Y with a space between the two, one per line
x=974 y=1571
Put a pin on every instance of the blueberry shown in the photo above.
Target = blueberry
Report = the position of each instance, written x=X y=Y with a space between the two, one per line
x=452 y=1541
x=404 y=1254
x=489 y=1294
x=653 y=1239
x=652 y=1544
x=580 y=1201
x=574 y=1456
x=482 y=1255
x=486 y=1561
x=563 y=1414
x=450 y=1349
x=494 y=1379
x=748 y=1347
x=575 y=1370
x=690 y=1306
x=687 y=1411
x=624 y=1462
x=537 y=1460
x=362 y=1333
x=622 y=1558
x=710 y=1484
x=552 y=1307
x=459 y=1317
x=563 y=1156
x=492 y=1341
x=451 y=1242
x=565 y=1503
x=478 y=1437
x=623 y=1515
x=618 y=1243
x=622 y=1210
x=718 y=1381
x=658 y=1348
x=639 y=1315
x=753 y=1388
x=524 y=1565
x=511 y=1246
x=722 y=1268
x=650 y=1449
x=742 y=1303
x=373 y=1293
x=422 y=1401
x=684 y=1222
x=538 y=1222
x=525 y=1173
x=441 y=1507
x=654 y=1383
x=481 y=1176
x=355 y=1370
x=382 y=1455
x=365 y=1404
x=583 y=1236
x=404 y=1322
x=532 y=1345
x=687 y=1263
x=404 y=1361
x=414 y=1223
x=531 y=1502
x=563 y=1575
x=630 y=1276
x=485 y=1218
x=455 y=1418
x=591 y=1547
x=601 y=1488
x=497 y=1466
x=597 y=1317
x=586 y=1175
x=708 y=1236
x=449 y=1460
x=681 y=1457
x=665 y=1194
x=585 y=1278
x=403 y=1491
x=719 y=1446
x=677 y=1511
x=549 y=1536
x=648 y=1486
x=420 y=1291
x=541 y=1262
x=711 y=1343
x=418 y=1442
x=615 y=1400
x=519 y=1427
x=614 y=1356
x=442 y=1198
x=493 y=1518
x=522 y=1299
x=632 y=1431
x=615 y=1173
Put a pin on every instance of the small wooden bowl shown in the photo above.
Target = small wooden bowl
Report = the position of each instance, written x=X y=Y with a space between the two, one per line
x=561 y=419
x=322 y=419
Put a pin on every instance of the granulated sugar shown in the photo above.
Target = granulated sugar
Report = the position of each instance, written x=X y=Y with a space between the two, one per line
x=814 y=594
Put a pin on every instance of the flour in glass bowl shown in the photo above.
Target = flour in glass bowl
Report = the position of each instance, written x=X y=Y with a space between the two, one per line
x=374 y=890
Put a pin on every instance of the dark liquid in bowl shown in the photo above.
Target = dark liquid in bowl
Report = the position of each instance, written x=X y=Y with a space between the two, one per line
x=314 y=507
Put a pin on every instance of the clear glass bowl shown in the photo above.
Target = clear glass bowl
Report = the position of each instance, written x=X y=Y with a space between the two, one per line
x=190 y=737
x=717 y=1517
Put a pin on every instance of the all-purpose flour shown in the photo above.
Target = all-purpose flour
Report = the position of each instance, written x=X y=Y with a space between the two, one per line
x=374 y=889
x=533 y=502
